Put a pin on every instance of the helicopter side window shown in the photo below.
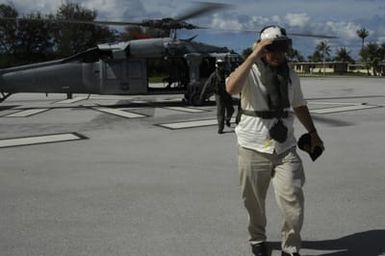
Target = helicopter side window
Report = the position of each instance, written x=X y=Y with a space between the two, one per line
x=113 y=70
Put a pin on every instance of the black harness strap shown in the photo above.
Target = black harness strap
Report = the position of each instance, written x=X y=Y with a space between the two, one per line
x=266 y=114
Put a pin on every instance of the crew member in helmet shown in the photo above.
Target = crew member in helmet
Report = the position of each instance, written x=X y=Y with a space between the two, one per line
x=267 y=147
x=223 y=100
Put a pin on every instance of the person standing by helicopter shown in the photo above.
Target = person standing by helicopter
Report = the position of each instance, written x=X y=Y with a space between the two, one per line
x=266 y=142
x=223 y=100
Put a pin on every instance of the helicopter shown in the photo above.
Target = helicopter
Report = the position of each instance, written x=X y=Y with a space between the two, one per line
x=122 y=68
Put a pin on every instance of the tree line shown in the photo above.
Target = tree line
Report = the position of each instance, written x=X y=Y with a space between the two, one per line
x=371 y=55
x=36 y=37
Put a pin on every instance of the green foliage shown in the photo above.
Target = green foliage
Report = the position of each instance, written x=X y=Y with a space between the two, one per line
x=342 y=54
x=8 y=30
x=295 y=56
x=35 y=38
x=74 y=38
x=371 y=55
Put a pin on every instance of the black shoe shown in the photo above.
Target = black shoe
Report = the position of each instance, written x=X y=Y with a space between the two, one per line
x=259 y=249
x=290 y=254
x=228 y=124
x=220 y=131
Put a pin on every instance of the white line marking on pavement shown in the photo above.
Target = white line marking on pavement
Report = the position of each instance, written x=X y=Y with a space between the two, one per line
x=191 y=124
x=139 y=102
x=341 y=109
x=120 y=112
x=28 y=112
x=169 y=100
x=68 y=101
x=33 y=140
x=184 y=109
x=332 y=103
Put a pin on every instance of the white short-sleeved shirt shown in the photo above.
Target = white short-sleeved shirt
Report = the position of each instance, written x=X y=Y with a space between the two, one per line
x=253 y=132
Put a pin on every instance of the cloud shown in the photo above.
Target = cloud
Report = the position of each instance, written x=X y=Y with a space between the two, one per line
x=345 y=30
x=116 y=9
x=297 y=19
x=218 y=22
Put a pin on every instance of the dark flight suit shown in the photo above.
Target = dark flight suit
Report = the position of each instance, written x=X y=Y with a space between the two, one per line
x=223 y=100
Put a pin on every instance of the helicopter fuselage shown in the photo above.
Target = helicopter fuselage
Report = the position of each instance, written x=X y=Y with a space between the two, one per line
x=123 y=69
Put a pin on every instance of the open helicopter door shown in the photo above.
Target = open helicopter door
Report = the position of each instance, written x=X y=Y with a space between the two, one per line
x=123 y=76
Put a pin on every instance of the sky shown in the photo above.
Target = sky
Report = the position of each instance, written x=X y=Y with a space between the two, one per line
x=341 y=18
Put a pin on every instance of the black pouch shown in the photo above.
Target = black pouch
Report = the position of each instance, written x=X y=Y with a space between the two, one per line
x=278 y=132
x=304 y=143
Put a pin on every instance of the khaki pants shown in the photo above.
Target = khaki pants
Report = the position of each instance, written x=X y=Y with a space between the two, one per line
x=286 y=173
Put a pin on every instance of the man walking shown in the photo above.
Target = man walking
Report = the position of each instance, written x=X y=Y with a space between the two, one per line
x=265 y=134
x=223 y=100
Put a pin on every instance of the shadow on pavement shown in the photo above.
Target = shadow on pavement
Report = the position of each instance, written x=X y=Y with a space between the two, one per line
x=368 y=243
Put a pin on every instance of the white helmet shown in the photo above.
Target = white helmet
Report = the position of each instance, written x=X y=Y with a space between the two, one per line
x=219 y=62
x=279 y=36
x=273 y=32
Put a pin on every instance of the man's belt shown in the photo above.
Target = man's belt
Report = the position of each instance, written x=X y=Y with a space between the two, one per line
x=266 y=114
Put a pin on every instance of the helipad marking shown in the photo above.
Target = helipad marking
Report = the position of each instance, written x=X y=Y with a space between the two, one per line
x=120 y=112
x=191 y=124
x=68 y=101
x=28 y=112
x=184 y=109
x=33 y=140
x=341 y=109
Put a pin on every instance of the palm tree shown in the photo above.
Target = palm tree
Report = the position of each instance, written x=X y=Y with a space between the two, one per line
x=362 y=33
x=295 y=56
x=370 y=55
x=342 y=54
x=323 y=50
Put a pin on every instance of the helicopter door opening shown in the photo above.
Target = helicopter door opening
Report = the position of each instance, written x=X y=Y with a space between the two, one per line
x=170 y=74
x=206 y=67
x=126 y=76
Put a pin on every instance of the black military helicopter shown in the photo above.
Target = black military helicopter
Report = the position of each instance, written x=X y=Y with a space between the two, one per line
x=122 y=68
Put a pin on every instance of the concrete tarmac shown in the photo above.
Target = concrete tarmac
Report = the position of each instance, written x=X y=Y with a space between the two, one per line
x=124 y=184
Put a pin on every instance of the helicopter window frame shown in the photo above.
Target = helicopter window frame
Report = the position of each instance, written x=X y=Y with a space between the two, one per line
x=112 y=70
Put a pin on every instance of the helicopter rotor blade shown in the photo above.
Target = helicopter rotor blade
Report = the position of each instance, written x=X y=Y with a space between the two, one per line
x=168 y=23
x=96 y=22
x=201 y=9
x=313 y=35
x=256 y=30
x=100 y=22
